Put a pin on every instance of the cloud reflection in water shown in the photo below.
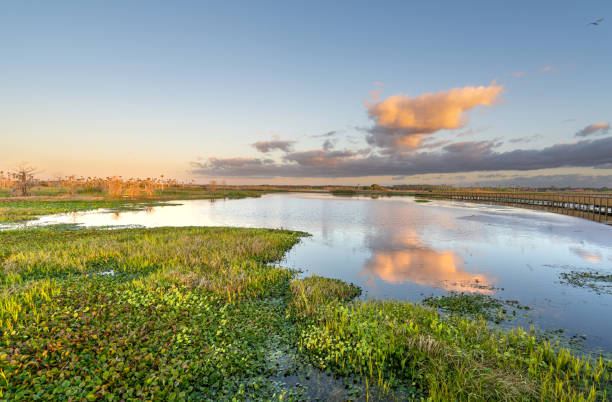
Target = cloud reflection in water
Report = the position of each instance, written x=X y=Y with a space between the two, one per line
x=402 y=258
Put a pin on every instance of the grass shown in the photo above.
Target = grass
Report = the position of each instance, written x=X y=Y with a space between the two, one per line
x=422 y=201
x=26 y=210
x=51 y=200
x=408 y=351
x=203 y=313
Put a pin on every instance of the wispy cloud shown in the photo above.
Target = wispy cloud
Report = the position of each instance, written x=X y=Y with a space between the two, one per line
x=325 y=135
x=402 y=121
x=548 y=69
x=526 y=139
x=267 y=146
x=594 y=129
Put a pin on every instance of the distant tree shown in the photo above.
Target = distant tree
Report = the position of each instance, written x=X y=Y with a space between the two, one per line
x=212 y=187
x=23 y=175
x=376 y=187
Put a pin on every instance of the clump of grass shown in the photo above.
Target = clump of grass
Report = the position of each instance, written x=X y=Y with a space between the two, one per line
x=474 y=305
x=422 y=201
x=593 y=280
x=315 y=292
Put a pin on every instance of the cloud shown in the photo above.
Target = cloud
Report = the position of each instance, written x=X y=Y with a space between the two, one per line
x=466 y=156
x=317 y=157
x=402 y=121
x=594 y=129
x=519 y=74
x=545 y=180
x=548 y=69
x=326 y=135
x=472 y=131
x=525 y=139
x=401 y=257
x=267 y=146
x=433 y=144
x=328 y=145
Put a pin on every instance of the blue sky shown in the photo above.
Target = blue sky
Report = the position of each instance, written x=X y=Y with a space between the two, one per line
x=146 y=88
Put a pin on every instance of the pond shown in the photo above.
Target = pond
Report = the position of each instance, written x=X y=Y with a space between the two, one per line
x=402 y=249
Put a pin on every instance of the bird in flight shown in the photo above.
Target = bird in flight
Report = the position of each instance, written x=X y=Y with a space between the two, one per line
x=596 y=22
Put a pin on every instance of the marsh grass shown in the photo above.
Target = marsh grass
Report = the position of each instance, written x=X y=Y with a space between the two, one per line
x=203 y=313
x=55 y=200
x=409 y=351
x=26 y=210
x=183 y=315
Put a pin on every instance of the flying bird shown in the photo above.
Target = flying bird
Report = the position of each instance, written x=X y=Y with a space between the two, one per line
x=596 y=22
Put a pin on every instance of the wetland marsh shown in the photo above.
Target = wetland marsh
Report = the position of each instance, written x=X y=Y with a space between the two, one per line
x=219 y=312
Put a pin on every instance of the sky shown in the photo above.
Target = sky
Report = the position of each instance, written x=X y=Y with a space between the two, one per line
x=317 y=92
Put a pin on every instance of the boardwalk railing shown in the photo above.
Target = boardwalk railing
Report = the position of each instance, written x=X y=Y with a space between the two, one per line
x=596 y=207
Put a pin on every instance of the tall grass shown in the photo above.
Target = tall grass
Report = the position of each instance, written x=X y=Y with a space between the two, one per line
x=408 y=350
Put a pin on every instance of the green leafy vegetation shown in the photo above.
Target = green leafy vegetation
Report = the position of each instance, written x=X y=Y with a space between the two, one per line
x=203 y=313
x=595 y=281
x=407 y=351
x=422 y=201
x=476 y=305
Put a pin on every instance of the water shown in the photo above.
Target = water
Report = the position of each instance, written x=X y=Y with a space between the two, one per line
x=397 y=248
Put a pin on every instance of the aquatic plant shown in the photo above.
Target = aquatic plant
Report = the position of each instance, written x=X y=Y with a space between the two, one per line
x=203 y=313
x=600 y=283
x=410 y=351
x=475 y=305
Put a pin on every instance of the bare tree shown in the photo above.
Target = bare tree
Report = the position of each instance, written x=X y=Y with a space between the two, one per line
x=24 y=179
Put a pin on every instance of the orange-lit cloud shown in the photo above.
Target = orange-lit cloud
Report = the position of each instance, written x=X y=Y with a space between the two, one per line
x=403 y=121
x=405 y=259
x=594 y=129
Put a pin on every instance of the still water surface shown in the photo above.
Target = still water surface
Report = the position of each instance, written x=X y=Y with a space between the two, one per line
x=397 y=248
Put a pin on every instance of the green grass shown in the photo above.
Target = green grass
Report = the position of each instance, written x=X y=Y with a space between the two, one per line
x=203 y=313
x=25 y=210
x=422 y=201
x=407 y=350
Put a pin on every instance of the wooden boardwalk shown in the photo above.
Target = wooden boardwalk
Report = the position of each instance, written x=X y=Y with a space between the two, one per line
x=596 y=207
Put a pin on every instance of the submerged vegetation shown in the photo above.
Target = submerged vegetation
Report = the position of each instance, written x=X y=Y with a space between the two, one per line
x=595 y=281
x=185 y=313
x=476 y=305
